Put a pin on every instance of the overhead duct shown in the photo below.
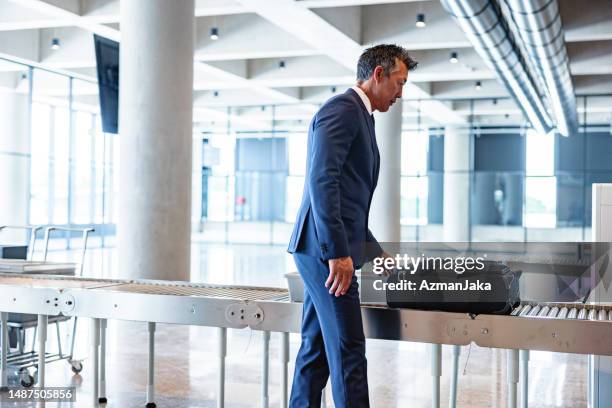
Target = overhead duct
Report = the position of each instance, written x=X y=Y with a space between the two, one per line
x=539 y=25
x=488 y=31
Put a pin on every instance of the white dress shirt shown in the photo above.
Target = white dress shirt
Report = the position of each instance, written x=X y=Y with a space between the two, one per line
x=364 y=98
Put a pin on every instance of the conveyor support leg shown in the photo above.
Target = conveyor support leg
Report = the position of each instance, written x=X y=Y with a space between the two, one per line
x=436 y=373
x=94 y=355
x=222 y=335
x=151 y=367
x=513 y=376
x=43 y=322
x=452 y=403
x=102 y=394
x=589 y=383
x=4 y=351
x=284 y=369
x=593 y=381
x=524 y=376
x=265 y=366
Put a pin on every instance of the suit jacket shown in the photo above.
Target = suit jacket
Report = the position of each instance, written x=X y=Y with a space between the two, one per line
x=341 y=175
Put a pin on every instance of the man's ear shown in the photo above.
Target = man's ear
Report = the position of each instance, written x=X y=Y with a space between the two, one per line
x=379 y=71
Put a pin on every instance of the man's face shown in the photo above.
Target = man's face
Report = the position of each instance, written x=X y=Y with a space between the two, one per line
x=389 y=88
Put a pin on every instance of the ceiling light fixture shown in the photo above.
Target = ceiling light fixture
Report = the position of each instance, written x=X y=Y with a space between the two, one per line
x=55 y=44
x=214 y=33
x=420 y=20
x=453 y=57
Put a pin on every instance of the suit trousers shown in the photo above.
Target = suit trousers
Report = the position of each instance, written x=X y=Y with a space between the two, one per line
x=333 y=343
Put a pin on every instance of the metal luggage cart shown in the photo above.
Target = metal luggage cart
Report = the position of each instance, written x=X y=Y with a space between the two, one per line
x=26 y=361
x=32 y=241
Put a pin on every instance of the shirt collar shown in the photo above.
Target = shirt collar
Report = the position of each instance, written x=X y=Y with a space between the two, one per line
x=364 y=98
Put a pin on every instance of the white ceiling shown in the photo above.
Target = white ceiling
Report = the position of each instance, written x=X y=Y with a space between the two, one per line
x=319 y=40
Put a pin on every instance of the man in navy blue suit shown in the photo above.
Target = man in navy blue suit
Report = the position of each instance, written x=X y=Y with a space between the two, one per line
x=331 y=230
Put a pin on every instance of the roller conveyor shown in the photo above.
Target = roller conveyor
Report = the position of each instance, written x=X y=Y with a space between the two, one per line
x=560 y=327
x=563 y=311
x=231 y=292
x=270 y=309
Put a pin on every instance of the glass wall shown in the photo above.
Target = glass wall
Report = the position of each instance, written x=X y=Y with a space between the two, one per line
x=521 y=185
x=14 y=149
x=524 y=186
x=250 y=162
x=252 y=173
x=70 y=161
x=254 y=191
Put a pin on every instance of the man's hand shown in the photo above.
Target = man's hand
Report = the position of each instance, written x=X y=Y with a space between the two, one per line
x=340 y=275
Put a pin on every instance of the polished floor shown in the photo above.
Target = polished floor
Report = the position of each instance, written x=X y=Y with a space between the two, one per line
x=186 y=365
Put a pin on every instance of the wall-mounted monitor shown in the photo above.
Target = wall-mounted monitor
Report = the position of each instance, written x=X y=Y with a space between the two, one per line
x=107 y=64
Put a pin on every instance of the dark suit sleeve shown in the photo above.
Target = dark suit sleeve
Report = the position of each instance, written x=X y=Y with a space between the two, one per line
x=374 y=247
x=334 y=131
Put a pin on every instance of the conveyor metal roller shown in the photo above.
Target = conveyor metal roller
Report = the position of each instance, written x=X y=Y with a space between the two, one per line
x=535 y=310
x=517 y=310
x=525 y=310
x=544 y=311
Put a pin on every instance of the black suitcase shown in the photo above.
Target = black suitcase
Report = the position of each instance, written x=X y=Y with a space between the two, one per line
x=492 y=290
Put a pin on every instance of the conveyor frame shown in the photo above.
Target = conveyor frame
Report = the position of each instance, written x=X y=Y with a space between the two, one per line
x=175 y=303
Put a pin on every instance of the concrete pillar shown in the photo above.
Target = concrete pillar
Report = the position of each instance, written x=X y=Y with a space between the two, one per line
x=384 y=220
x=457 y=164
x=155 y=132
x=14 y=164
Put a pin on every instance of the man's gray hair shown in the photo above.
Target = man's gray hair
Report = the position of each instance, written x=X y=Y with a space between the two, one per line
x=385 y=56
